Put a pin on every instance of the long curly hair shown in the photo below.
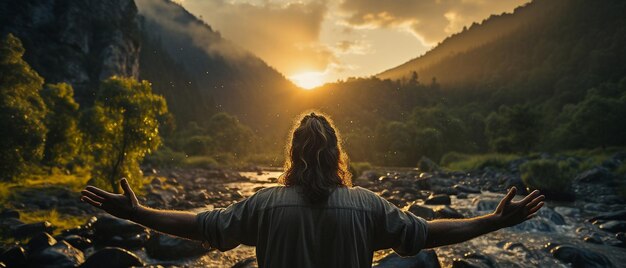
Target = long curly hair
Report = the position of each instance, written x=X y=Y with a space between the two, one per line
x=316 y=162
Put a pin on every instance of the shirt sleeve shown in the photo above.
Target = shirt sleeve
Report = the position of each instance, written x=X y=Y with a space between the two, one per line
x=227 y=228
x=400 y=230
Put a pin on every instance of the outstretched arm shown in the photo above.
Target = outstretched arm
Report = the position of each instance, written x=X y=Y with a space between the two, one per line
x=508 y=213
x=126 y=206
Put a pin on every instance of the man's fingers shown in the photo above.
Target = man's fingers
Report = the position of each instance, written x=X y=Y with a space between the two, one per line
x=535 y=201
x=531 y=216
x=90 y=201
x=92 y=196
x=509 y=196
x=99 y=192
x=126 y=187
x=529 y=197
x=536 y=208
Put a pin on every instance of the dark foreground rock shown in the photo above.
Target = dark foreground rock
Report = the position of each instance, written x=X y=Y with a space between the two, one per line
x=578 y=257
x=473 y=260
x=112 y=257
x=165 y=247
x=422 y=211
x=14 y=257
x=30 y=229
x=425 y=259
x=40 y=242
x=59 y=255
x=439 y=199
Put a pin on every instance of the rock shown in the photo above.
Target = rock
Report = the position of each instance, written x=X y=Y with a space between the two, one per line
x=156 y=182
x=614 y=226
x=439 y=199
x=578 y=257
x=621 y=237
x=112 y=257
x=422 y=211
x=14 y=257
x=613 y=216
x=474 y=260
x=447 y=212
x=461 y=196
x=165 y=247
x=426 y=258
x=60 y=254
x=466 y=189
x=108 y=226
x=567 y=211
x=595 y=175
x=39 y=242
x=485 y=204
x=78 y=242
x=30 y=229
x=249 y=262
x=593 y=238
x=9 y=213
x=425 y=164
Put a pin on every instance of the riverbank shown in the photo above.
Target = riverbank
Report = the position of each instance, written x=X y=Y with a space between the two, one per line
x=587 y=230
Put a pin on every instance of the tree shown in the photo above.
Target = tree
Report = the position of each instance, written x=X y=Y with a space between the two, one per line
x=123 y=127
x=22 y=111
x=513 y=129
x=63 y=138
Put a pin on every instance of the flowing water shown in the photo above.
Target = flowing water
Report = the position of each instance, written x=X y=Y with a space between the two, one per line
x=520 y=246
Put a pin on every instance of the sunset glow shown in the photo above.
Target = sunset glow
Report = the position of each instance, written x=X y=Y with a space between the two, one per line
x=308 y=80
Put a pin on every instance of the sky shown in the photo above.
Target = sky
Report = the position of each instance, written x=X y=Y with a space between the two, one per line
x=317 y=41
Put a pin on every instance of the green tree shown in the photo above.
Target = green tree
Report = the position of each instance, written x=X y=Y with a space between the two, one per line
x=63 y=138
x=22 y=111
x=513 y=129
x=230 y=135
x=123 y=127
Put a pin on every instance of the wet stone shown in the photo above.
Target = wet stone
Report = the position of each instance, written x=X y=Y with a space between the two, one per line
x=426 y=258
x=30 y=229
x=39 y=242
x=439 y=199
x=14 y=257
x=78 y=242
x=614 y=226
x=578 y=257
x=112 y=257
x=60 y=254
x=422 y=211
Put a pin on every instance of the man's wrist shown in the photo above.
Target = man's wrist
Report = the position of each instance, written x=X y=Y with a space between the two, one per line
x=494 y=221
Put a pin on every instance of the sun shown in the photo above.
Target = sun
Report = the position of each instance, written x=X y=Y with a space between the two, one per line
x=308 y=80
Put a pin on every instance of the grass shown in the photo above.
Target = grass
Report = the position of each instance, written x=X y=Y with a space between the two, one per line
x=466 y=162
x=59 y=220
x=550 y=176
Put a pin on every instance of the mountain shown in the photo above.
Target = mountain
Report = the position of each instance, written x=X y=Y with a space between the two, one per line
x=545 y=47
x=199 y=72
x=218 y=74
x=79 y=42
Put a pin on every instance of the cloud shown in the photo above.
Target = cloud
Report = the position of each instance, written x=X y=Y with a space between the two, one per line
x=429 y=20
x=286 y=35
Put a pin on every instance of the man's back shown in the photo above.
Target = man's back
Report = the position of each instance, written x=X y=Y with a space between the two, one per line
x=288 y=231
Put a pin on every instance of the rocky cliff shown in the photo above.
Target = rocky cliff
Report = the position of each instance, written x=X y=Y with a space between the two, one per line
x=80 y=42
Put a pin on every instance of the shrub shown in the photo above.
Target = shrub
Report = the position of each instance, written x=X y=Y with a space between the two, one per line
x=553 y=178
x=165 y=157
x=477 y=162
x=357 y=168
x=201 y=162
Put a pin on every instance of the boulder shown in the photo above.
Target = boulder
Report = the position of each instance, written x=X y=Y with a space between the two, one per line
x=9 y=213
x=551 y=215
x=614 y=226
x=14 y=257
x=621 y=237
x=165 y=247
x=593 y=238
x=466 y=189
x=612 y=216
x=439 y=199
x=78 y=242
x=474 y=260
x=422 y=211
x=39 y=242
x=108 y=226
x=112 y=257
x=536 y=224
x=29 y=229
x=447 y=212
x=579 y=257
x=60 y=254
x=426 y=258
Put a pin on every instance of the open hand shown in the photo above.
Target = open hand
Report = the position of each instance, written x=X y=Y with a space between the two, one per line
x=119 y=205
x=509 y=212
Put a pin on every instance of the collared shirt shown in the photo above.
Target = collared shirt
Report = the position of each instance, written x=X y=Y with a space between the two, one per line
x=288 y=231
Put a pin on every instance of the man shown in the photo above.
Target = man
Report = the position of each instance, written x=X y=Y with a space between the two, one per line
x=317 y=219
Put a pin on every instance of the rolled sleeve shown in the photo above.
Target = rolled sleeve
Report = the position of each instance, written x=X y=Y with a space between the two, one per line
x=225 y=229
x=400 y=230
